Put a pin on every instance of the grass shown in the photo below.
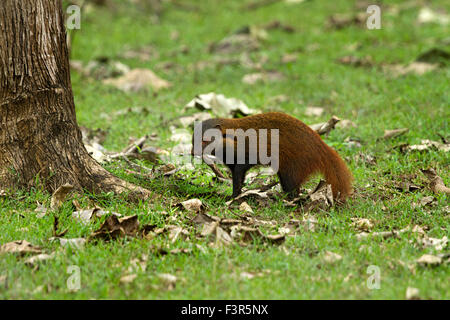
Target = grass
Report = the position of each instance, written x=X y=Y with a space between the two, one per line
x=371 y=98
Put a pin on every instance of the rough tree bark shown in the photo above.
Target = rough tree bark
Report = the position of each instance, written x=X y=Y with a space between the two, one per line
x=39 y=135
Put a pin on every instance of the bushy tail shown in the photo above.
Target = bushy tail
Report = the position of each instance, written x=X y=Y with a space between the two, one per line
x=338 y=175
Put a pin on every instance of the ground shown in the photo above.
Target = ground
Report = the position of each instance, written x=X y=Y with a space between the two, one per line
x=371 y=97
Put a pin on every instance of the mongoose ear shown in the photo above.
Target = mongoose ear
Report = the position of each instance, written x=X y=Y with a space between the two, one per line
x=219 y=127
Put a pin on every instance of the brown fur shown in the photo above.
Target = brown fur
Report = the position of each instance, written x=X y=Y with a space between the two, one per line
x=302 y=151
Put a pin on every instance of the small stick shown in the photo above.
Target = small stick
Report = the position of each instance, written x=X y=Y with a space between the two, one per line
x=136 y=166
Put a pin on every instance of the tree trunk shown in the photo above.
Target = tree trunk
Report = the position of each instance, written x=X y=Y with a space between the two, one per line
x=39 y=137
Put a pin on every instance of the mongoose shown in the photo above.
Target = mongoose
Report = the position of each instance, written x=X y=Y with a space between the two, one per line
x=301 y=151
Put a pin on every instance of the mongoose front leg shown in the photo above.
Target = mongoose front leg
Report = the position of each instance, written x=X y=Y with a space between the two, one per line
x=238 y=172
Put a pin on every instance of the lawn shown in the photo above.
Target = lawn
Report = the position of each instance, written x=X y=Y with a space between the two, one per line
x=390 y=187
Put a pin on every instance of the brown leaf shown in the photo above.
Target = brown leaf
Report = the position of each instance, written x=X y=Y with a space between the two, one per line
x=427 y=15
x=321 y=197
x=331 y=257
x=345 y=123
x=412 y=293
x=339 y=21
x=429 y=260
x=362 y=224
x=256 y=193
x=202 y=218
x=128 y=278
x=19 y=246
x=74 y=243
x=244 y=206
x=84 y=216
x=382 y=234
x=353 y=61
x=267 y=76
x=427 y=145
x=314 y=111
x=176 y=232
x=40 y=210
x=289 y=57
x=34 y=260
x=249 y=234
x=236 y=43
x=145 y=53
x=114 y=228
x=60 y=195
x=220 y=105
x=193 y=205
x=325 y=127
x=436 y=183
x=389 y=134
x=138 y=80
x=437 y=244
x=418 y=68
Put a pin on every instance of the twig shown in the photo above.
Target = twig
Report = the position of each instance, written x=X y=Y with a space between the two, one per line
x=269 y=186
x=216 y=170
x=136 y=166
x=132 y=148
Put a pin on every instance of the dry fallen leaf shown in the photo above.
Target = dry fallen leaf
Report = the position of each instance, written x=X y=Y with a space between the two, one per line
x=362 y=224
x=314 y=111
x=19 y=246
x=346 y=123
x=342 y=20
x=436 y=183
x=202 y=218
x=188 y=121
x=266 y=76
x=168 y=279
x=60 y=195
x=222 y=237
x=40 y=210
x=138 y=80
x=356 y=61
x=321 y=197
x=412 y=294
x=428 y=145
x=192 y=205
x=437 y=244
x=34 y=260
x=309 y=222
x=381 y=234
x=74 y=243
x=114 y=228
x=249 y=234
x=389 y=134
x=145 y=53
x=325 y=127
x=128 y=278
x=429 y=260
x=84 y=216
x=176 y=232
x=244 y=40
x=331 y=257
x=289 y=57
x=427 y=15
x=249 y=193
x=220 y=105
x=244 y=206
x=418 y=68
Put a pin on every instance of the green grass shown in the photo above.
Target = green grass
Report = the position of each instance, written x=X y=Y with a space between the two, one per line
x=374 y=100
